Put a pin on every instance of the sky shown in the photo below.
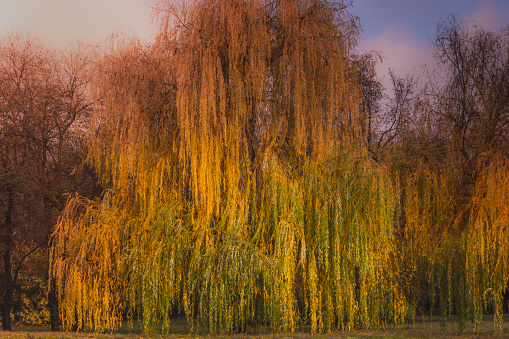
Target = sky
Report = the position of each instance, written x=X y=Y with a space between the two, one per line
x=401 y=30
x=57 y=23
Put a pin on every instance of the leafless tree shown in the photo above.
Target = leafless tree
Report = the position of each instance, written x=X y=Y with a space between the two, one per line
x=472 y=97
x=42 y=114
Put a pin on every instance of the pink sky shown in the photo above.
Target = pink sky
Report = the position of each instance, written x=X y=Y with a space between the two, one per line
x=57 y=23
x=400 y=29
x=405 y=48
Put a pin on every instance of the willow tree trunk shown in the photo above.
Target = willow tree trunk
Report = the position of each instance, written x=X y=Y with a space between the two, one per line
x=8 y=284
x=53 y=306
x=52 y=293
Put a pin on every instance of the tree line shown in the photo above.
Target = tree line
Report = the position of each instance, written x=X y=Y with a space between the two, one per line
x=245 y=168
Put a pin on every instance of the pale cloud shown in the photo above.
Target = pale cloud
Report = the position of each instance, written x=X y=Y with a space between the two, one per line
x=406 y=51
x=486 y=16
x=58 y=23
x=401 y=51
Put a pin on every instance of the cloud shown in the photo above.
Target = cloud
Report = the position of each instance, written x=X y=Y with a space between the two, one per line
x=60 y=22
x=486 y=16
x=401 y=51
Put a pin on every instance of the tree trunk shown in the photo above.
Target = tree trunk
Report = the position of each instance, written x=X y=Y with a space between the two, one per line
x=8 y=283
x=53 y=306
x=52 y=295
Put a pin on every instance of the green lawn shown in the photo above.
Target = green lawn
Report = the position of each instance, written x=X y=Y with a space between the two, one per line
x=422 y=328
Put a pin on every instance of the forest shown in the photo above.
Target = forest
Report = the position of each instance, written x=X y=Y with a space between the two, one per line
x=247 y=168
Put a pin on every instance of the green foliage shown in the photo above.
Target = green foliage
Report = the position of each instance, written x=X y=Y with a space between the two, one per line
x=35 y=311
x=455 y=253
x=231 y=198
x=240 y=191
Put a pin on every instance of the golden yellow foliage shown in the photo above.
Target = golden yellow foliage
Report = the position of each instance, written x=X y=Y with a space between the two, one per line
x=454 y=254
x=239 y=191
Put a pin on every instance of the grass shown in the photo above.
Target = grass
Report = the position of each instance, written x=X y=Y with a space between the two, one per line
x=425 y=327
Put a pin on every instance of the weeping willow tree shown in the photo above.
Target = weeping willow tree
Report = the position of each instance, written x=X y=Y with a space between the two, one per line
x=455 y=255
x=454 y=193
x=486 y=241
x=238 y=189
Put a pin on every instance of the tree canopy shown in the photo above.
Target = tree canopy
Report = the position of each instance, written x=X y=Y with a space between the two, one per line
x=239 y=188
x=251 y=171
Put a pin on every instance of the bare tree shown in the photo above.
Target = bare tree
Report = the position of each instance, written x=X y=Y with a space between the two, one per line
x=42 y=104
x=473 y=99
x=371 y=96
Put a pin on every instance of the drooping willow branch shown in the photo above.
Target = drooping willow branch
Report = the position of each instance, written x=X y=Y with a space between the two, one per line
x=239 y=189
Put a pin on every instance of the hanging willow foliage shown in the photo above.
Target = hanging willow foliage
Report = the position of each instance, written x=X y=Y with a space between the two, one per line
x=429 y=241
x=238 y=189
x=486 y=242
x=455 y=255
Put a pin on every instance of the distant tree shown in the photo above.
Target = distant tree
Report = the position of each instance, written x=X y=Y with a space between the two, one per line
x=401 y=113
x=471 y=95
x=388 y=119
x=43 y=115
x=453 y=209
x=371 y=96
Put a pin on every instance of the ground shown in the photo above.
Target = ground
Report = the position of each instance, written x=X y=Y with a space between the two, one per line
x=425 y=327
